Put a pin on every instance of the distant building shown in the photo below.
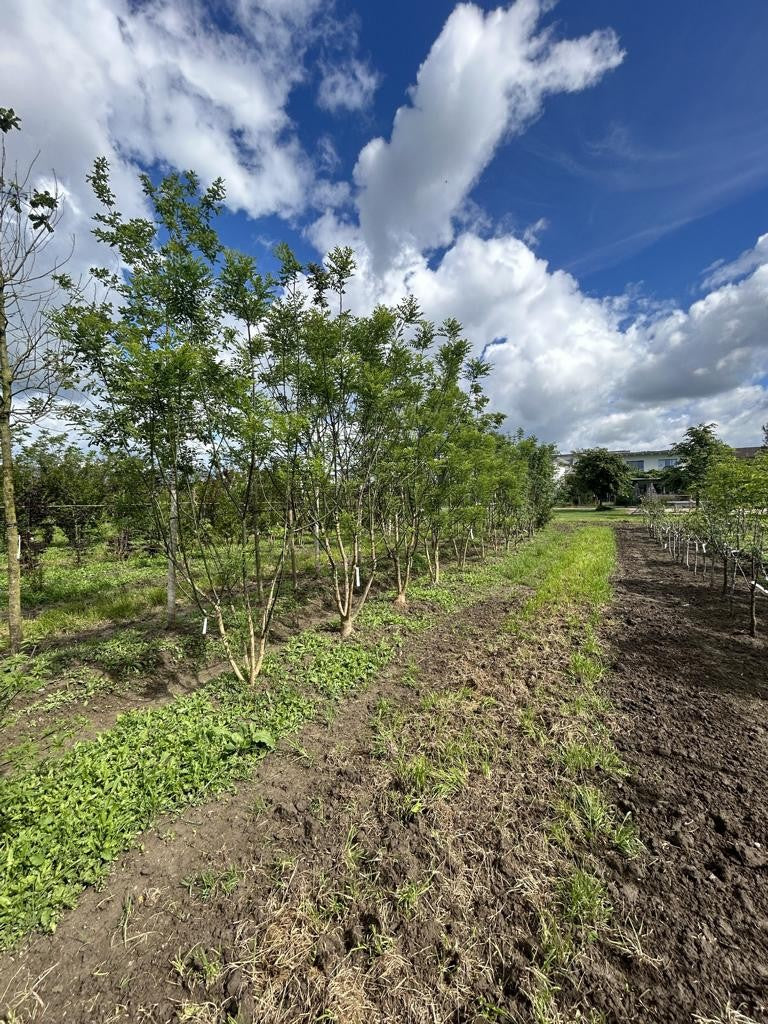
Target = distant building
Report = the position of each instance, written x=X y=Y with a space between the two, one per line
x=647 y=460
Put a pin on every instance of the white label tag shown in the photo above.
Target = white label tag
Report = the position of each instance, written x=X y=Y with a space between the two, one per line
x=357 y=577
x=205 y=625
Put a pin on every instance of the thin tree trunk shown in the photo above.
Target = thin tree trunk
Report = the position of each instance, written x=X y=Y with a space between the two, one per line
x=400 y=600
x=292 y=550
x=9 y=497
x=257 y=560
x=173 y=540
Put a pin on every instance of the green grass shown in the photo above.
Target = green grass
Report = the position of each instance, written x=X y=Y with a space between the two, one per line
x=590 y=514
x=582 y=577
x=569 y=721
x=210 y=884
x=582 y=756
x=584 y=901
x=102 y=590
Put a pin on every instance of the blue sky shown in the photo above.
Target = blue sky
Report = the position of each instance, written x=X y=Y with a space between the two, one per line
x=584 y=184
x=649 y=177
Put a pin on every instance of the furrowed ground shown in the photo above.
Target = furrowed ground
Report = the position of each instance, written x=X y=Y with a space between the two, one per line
x=526 y=798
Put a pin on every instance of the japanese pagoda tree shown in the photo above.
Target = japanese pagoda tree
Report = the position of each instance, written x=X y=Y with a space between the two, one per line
x=354 y=380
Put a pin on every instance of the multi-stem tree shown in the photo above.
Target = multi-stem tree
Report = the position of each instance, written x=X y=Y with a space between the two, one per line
x=148 y=342
x=454 y=434
x=355 y=373
x=31 y=370
x=173 y=354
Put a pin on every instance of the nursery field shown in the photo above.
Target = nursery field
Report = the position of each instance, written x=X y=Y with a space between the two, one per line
x=536 y=794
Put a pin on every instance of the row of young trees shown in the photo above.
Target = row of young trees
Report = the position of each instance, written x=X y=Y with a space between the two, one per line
x=262 y=414
x=727 y=533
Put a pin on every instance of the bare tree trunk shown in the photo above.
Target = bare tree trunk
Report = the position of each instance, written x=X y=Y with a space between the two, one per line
x=292 y=549
x=257 y=560
x=401 y=578
x=173 y=539
x=9 y=497
x=400 y=600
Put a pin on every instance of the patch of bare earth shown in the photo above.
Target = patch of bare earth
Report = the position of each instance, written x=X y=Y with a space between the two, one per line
x=691 y=689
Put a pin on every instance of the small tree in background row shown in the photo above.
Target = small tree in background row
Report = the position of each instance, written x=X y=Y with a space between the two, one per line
x=699 y=450
x=31 y=369
x=602 y=473
x=59 y=484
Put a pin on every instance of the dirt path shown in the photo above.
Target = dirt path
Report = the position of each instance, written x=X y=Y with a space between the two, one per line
x=691 y=688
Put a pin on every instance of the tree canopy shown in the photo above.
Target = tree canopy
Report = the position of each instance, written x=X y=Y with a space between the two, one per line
x=699 y=449
x=601 y=473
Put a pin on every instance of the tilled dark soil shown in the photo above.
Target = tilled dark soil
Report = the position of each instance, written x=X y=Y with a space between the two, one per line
x=348 y=910
x=691 y=688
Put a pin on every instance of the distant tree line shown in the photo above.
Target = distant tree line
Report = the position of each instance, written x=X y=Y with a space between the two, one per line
x=603 y=476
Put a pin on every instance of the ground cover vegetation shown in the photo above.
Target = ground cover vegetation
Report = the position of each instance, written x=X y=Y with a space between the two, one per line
x=418 y=820
x=68 y=815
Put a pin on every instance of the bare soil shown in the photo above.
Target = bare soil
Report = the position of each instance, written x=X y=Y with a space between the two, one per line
x=692 y=690
x=349 y=908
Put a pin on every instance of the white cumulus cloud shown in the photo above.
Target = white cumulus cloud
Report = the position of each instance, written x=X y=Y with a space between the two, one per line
x=485 y=78
x=160 y=85
x=722 y=272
